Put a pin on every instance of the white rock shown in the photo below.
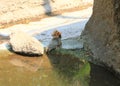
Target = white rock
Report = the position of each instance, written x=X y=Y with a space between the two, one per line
x=21 y=42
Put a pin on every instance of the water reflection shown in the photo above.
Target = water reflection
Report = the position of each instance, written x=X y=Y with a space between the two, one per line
x=71 y=70
x=102 y=77
x=51 y=70
x=17 y=70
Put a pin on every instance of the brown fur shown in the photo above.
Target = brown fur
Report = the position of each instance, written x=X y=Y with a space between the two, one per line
x=56 y=34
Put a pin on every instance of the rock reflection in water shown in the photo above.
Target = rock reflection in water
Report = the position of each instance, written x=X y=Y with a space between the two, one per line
x=51 y=70
x=72 y=70
x=17 y=70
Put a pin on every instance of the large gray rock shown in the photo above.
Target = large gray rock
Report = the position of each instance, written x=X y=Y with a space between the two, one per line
x=23 y=43
x=102 y=33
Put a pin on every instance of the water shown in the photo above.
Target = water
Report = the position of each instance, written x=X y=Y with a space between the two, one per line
x=51 y=70
x=102 y=77
x=69 y=43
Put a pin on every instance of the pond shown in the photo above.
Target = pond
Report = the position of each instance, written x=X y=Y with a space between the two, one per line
x=51 y=70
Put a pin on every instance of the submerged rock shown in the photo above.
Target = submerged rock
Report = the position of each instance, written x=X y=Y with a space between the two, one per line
x=23 y=43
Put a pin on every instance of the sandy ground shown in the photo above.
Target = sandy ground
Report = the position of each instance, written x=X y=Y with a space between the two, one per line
x=24 y=11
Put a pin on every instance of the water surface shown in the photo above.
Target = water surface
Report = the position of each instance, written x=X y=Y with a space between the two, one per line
x=51 y=70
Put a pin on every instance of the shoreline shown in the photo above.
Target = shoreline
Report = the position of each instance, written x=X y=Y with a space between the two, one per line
x=69 y=24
